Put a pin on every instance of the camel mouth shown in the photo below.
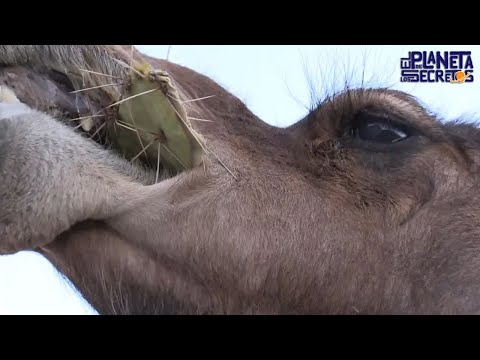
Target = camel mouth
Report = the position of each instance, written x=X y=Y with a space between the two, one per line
x=142 y=117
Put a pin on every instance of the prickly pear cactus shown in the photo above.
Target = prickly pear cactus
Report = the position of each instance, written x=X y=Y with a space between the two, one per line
x=153 y=125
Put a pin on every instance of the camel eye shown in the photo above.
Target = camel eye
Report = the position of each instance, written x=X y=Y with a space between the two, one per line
x=378 y=129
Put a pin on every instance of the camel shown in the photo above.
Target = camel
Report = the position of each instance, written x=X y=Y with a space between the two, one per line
x=367 y=205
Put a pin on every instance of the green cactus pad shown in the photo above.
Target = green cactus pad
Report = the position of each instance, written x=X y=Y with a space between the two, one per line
x=152 y=120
